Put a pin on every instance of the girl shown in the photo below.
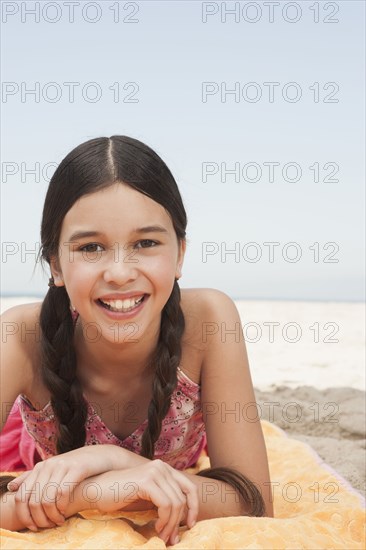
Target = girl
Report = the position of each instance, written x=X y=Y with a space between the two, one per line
x=130 y=377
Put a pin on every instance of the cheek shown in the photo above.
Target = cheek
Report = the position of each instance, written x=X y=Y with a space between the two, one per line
x=162 y=267
x=81 y=269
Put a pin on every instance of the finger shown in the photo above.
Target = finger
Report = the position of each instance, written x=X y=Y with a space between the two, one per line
x=36 y=509
x=22 y=497
x=177 y=499
x=170 y=487
x=153 y=492
x=42 y=501
x=191 y=492
x=174 y=537
x=60 y=488
x=50 y=498
x=14 y=484
x=67 y=488
x=40 y=518
x=36 y=490
x=22 y=510
x=178 y=508
x=69 y=480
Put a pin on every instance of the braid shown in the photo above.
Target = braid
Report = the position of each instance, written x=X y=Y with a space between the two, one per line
x=167 y=359
x=58 y=369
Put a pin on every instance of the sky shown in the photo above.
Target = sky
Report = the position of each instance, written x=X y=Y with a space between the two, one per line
x=257 y=108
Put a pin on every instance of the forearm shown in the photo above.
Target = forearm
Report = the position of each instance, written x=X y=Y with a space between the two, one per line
x=8 y=517
x=102 y=492
x=121 y=459
x=87 y=495
x=105 y=493
x=227 y=493
x=216 y=498
x=124 y=459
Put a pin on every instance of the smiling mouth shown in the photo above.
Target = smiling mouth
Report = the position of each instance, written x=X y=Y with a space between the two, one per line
x=121 y=309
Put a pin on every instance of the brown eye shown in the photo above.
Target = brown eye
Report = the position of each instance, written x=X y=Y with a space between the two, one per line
x=88 y=246
x=147 y=243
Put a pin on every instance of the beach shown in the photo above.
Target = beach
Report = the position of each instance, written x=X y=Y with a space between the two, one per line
x=331 y=421
x=307 y=362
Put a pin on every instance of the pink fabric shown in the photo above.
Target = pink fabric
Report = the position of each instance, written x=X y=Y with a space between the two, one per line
x=17 y=448
x=180 y=443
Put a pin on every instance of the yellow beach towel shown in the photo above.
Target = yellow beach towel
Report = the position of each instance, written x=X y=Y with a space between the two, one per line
x=314 y=509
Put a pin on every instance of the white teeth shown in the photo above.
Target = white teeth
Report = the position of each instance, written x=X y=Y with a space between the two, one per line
x=123 y=305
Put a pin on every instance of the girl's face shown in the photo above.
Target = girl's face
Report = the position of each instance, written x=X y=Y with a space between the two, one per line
x=135 y=250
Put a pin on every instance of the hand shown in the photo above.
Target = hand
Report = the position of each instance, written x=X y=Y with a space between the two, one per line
x=43 y=493
x=168 y=489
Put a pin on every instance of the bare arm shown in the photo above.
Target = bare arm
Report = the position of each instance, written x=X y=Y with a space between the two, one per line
x=216 y=499
x=113 y=491
x=156 y=482
x=234 y=433
x=15 y=371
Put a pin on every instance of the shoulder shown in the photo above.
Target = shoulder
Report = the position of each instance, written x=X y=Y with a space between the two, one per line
x=19 y=342
x=207 y=311
x=23 y=309
x=22 y=313
x=208 y=304
x=21 y=323
x=206 y=299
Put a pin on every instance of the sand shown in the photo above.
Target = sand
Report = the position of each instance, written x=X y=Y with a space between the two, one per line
x=331 y=421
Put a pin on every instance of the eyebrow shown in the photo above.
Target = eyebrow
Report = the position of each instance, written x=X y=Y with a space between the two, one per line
x=77 y=235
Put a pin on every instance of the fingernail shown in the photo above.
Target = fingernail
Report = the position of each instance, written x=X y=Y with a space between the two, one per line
x=10 y=486
x=193 y=523
x=176 y=540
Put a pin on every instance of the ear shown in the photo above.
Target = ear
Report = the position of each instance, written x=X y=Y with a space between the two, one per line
x=56 y=272
x=181 y=252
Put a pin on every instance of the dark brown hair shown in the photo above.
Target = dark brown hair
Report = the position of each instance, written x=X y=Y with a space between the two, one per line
x=90 y=167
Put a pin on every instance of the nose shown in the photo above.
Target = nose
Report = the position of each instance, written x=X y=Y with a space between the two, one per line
x=122 y=267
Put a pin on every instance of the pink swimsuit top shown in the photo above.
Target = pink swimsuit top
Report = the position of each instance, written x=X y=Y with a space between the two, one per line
x=181 y=440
